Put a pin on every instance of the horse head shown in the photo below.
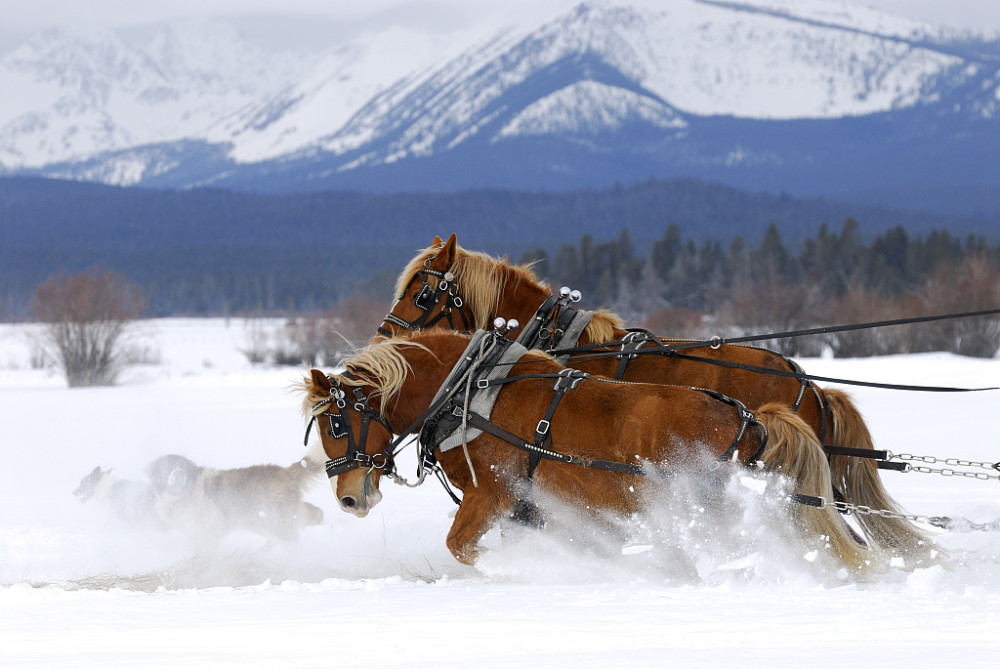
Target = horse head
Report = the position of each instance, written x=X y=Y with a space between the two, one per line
x=358 y=451
x=427 y=292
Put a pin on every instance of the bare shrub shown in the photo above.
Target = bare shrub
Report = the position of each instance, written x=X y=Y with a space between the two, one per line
x=257 y=347
x=87 y=317
x=310 y=341
x=680 y=323
x=863 y=306
x=358 y=317
x=318 y=340
x=781 y=305
x=971 y=285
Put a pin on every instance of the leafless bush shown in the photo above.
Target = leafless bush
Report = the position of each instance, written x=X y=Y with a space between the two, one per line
x=679 y=323
x=759 y=307
x=87 y=317
x=971 y=285
x=257 y=348
x=318 y=340
x=862 y=306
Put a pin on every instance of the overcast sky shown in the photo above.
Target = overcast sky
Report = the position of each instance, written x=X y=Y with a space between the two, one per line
x=20 y=18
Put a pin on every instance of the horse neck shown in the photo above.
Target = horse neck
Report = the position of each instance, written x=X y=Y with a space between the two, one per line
x=520 y=299
x=429 y=371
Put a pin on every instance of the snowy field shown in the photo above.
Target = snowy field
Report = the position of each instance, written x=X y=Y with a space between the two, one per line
x=685 y=587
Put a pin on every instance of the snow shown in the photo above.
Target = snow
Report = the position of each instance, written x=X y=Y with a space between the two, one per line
x=691 y=586
x=588 y=107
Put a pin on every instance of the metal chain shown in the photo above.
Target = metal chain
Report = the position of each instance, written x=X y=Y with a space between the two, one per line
x=847 y=507
x=947 y=471
x=944 y=522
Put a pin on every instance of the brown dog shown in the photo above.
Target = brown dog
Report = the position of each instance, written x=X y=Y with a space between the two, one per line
x=207 y=504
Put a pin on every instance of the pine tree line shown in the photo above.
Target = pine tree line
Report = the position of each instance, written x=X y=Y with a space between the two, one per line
x=687 y=289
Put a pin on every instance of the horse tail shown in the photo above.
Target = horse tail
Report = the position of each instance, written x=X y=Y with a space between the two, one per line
x=859 y=481
x=792 y=450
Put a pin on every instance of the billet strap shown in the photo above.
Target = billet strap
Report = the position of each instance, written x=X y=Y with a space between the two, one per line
x=529 y=336
x=633 y=341
x=567 y=380
x=485 y=425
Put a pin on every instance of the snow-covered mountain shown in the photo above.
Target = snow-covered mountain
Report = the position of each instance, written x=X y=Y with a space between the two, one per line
x=72 y=94
x=609 y=89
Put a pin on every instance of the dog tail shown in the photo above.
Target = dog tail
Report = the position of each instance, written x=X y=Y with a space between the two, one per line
x=311 y=467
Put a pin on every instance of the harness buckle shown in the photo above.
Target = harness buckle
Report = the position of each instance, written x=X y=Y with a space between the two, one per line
x=482 y=384
x=543 y=427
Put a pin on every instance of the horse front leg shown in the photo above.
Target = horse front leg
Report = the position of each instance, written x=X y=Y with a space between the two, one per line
x=474 y=518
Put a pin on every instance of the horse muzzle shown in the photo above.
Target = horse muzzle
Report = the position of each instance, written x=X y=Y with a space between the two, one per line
x=361 y=504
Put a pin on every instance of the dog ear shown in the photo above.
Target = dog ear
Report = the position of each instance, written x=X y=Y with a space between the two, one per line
x=177 y=480
x=320 y=381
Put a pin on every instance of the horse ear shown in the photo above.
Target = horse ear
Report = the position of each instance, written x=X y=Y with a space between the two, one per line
x=320 y=380
x=449 y=252
x=437 y=241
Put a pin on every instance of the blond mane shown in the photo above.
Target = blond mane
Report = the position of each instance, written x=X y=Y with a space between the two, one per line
x=381 y=365
x=483 y=278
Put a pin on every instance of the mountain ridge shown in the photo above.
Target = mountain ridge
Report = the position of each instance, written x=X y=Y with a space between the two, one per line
x=810 y=97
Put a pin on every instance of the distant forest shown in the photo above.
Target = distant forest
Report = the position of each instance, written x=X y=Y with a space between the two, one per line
x=682 y=255
x=697 y=290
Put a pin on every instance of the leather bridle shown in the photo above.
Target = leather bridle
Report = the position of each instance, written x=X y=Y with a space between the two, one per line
x=426 y=299
x=334 y=408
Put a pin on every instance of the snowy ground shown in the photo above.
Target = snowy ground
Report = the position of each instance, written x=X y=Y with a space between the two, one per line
x=688 y=587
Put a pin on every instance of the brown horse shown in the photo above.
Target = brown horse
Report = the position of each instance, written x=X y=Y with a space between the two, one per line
x=602 y=435
x=446 y=284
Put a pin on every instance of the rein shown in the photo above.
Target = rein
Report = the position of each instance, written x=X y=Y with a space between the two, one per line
x=801 y=375
x=552 y=318
x=631 y=343
x=716 y=342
